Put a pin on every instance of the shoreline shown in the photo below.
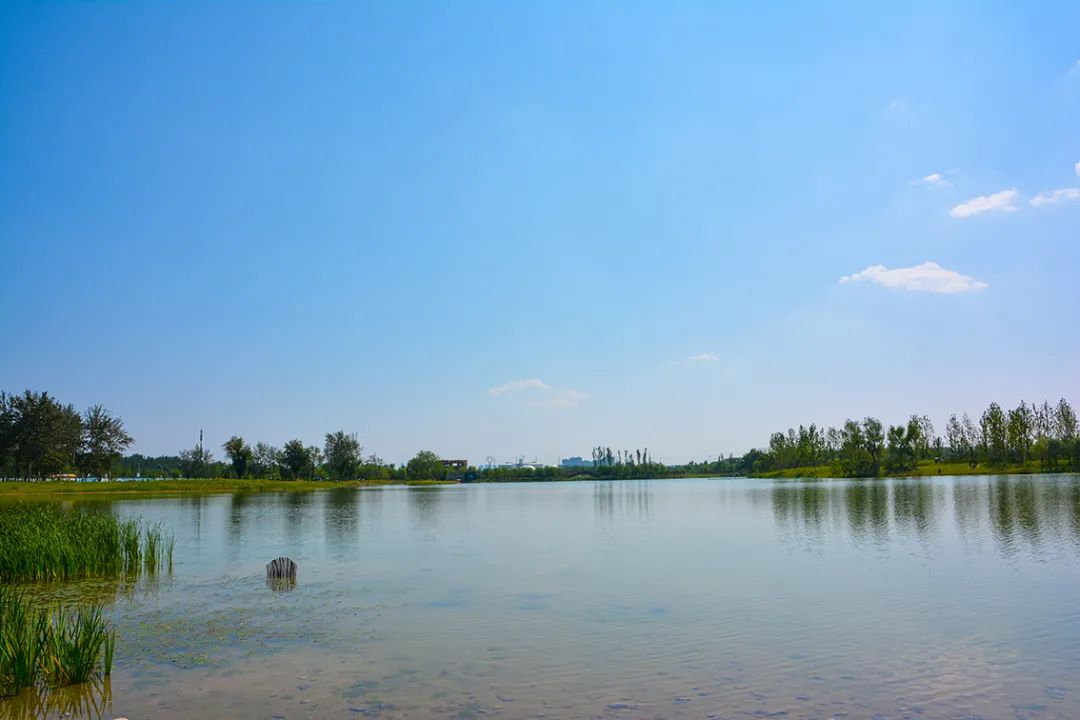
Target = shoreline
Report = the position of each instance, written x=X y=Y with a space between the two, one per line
x=179 y=487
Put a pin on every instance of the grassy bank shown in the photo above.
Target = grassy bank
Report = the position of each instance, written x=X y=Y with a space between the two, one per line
x=185 y=487
x=58 y=647
x=49 y=542
x=925 y=468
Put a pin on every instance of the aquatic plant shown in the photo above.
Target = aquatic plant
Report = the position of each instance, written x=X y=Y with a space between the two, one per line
x=74 y=645
x=20 y=634
x=52 y=542
x=58 y=647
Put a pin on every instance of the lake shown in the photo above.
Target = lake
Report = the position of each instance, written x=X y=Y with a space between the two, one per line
x=711 y=598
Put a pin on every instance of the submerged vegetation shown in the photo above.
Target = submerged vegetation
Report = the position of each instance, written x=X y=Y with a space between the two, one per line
x=56 y=648
x=50 y=542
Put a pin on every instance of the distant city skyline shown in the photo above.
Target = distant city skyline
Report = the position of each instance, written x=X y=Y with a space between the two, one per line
x=492 y=229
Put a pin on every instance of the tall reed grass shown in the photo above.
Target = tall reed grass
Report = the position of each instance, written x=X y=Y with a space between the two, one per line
x=57 y=648
x=52 y=542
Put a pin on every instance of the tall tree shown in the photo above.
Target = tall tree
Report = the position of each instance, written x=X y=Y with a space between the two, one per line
x=104 y=440
x=7 y=436
x=1065 y=421
x=954 y=436
x=1020 y=429
x=195 y=463
x=240 y=455
x=875 y=439
x=993 y=426
x=426 y=465
x=343 y=453
x=45 y=435
x=295 y=459
x=265 y=460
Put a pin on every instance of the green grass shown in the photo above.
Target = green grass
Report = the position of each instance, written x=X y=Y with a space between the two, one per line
x=20 y=633
x=75 y=645
x=24 y=490
x=58 y=648
x=925 y=468
x=45 y=542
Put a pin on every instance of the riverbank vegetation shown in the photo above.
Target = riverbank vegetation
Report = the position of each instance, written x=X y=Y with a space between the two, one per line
x=56 y=647
x=43 y=439
x=1028 y=438
x=46 y=542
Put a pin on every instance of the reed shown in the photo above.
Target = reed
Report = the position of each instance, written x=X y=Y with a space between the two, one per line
x=57 y=648
x=75 y=646
x=51 y=542
x=20 y=633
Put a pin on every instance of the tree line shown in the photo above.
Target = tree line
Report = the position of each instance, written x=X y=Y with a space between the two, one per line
x=1046 y=434
x=41 y=437
x=341 y=457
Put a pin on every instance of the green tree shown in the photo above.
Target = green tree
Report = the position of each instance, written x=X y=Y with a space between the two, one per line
x=426 y=465
x=993 y=427
x=1020 y=430
x=1065 y=421
x=315 y=462
x=875 y=439
x=955 y=437
x=104 y=441
x=343 y=453
x=239 y=453
x=44 y=436
x=855 y=459
x=7 y=436
x=195 y=463
x=904 y=445
x=295 y=459
x=265 y=461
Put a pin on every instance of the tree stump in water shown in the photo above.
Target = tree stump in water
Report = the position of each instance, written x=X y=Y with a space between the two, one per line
x=281 y=569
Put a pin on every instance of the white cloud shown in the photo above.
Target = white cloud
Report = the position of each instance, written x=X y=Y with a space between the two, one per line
x=927 y=277
x=897 y=104
x=936 y=179
x=703 y=357
x=998 y=202
x=520 y=385
x=1077 y=168
x=1056 y=196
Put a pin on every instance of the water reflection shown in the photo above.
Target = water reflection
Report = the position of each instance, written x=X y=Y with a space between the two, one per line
x=281 y=584
x=424 y=501
x=867 y=506
x=914 y=505
x=91 y=700
x=341 y=520
x=239 y=511
x=1020 y=511
x=623 y=499
x=297 y=508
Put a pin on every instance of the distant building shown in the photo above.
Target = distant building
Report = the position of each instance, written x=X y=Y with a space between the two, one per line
x=574 y=462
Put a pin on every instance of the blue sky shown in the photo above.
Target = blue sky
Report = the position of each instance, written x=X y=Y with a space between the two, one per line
x=530 y=228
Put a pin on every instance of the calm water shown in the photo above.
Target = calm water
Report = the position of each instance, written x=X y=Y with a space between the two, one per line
x=935 y=598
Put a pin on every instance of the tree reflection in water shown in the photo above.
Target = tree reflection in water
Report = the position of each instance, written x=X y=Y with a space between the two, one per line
x=1020 y=510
